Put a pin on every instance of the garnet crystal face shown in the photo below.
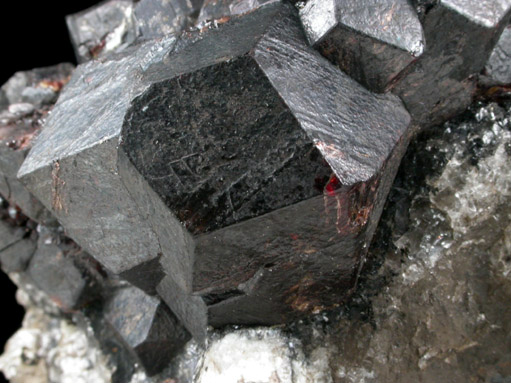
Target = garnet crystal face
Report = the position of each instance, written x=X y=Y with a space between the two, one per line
x=219 y=146
x=236 y=166
x=224 y=163
x=371 y=40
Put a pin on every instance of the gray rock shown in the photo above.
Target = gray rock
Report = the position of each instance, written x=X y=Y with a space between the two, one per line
x=9 y=235
x=498 y=67
x=20 y=124
x=314 y=201
x=114 y=25
x=101 y=29
x=146 y=326
x=15 y=250
x=16 y=258
x=21 y=109
x=60 y=269
x=53 y=77
x=371 y=40
x=221 y=10
x=38 y=96
x=437 y=86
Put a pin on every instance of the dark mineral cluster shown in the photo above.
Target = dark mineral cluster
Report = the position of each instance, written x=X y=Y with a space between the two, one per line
x=224 y=163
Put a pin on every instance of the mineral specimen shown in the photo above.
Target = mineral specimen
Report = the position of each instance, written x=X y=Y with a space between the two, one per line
x=114 y=25
x=438 y=85
x=146 y=326
x=233 y=174
x=201 y=168
x=60 y=270
x=29 y=96
x=498 y=67
x=434 y=312
x=371 y=40
x=227 y=173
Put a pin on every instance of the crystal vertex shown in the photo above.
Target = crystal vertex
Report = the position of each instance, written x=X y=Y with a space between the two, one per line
x=146 y=326
x=439 y=84
x=208 y=105
x=371 y=40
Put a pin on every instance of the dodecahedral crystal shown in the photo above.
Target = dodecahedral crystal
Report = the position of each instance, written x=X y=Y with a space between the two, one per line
x=114 y=25
x=74 y=170
x=438 y=85
x=371 y=40
x=228 y=173
x=146 y=326
x=62 y=271
x=252 y=170
x=29 y=97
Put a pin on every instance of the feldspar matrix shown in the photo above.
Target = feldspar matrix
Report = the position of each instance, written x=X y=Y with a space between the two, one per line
x=224 y=163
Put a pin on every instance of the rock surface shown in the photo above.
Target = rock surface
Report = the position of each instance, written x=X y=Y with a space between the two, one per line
x=372 y=40
x=29 y=96
x=113 y=25
x=231 y=176
x=162 y=199
x=432 y=311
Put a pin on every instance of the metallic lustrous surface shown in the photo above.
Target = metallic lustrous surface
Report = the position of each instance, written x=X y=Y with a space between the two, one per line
x=30 y=96
x=372 y=41
x=282 y=273
x=219 y=10
x=498 y=67
x=440 y=83
x=487 y=13
x=146 y=325
x=102 y=29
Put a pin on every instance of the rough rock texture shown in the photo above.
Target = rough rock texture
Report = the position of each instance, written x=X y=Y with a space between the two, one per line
x=29 y=96
x=498 y=67
x=371 y=40
x=430 y=308
x=50 y=349
x=147 y=326
x=313 y=189
x=439 y=84
x=114 y=25
x=221 y=10
x=104 y=28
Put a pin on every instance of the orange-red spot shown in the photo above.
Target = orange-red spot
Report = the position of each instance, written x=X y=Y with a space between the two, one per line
x=332 y=185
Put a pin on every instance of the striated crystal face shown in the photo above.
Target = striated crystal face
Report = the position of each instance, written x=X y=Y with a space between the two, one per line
x=219 y=146
x=227 y=163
